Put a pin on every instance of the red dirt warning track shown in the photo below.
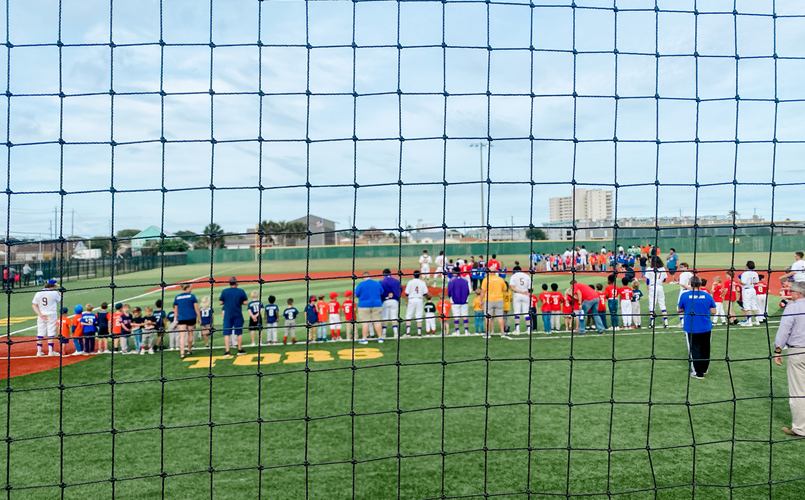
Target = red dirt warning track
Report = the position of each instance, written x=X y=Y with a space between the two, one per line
x=771 y=278
x=26 y=346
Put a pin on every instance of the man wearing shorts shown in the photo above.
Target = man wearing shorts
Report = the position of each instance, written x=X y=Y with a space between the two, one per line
x=45 y=305
x=370 y=303
x=492 y=289
x=391 y=300
x=232 y=300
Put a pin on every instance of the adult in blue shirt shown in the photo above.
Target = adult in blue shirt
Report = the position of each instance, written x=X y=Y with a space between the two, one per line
x=186 y=312
x=370 y=304
x=697 y=306
x=232 y=300
x=459 y=291
x=391 y=301
x=670 y=264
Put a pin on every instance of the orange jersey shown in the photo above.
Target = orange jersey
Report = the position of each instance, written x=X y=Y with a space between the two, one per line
x=64 y=326
x=321 y=309
x=444 y=307
x=349 y=309
x=117 y=321
x=78 y=328
x=334 y=306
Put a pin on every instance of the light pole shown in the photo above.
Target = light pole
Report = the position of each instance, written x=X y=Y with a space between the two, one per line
x=481 y=146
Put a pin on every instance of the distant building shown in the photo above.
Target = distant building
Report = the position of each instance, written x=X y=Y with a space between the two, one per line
x=435 y=236
x=323 y=231
x=582 y=204
x=151 y=233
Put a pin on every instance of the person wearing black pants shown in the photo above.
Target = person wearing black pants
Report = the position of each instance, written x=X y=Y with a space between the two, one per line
x=696 y=307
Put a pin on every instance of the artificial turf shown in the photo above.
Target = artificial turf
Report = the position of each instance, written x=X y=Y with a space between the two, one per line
x=430 y=417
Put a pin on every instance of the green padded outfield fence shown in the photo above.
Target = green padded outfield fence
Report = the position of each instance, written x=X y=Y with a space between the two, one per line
x=707 y=244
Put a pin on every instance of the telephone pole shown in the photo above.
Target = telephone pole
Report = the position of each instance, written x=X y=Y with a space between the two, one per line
x=481 y=145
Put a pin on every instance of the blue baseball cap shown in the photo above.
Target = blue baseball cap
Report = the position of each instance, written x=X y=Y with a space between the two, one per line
x=64 y=310
x=52 y=281
x=118 y=306
x=79 y=309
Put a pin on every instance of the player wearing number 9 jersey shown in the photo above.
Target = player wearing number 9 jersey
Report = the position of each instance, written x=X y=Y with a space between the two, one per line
x=45 y=305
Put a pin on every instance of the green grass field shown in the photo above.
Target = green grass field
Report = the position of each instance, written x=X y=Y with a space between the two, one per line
x=420 y=418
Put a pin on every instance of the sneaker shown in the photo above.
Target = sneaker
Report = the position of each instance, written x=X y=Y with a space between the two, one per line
x=693 y=375
x=53 y=353
x=456 y=334
x=466 y=332
x=40 y=354
x=226 y=355
x=107 y=351
x=379 y=341
x=151 y=351
x=85 y=353
x=142 y=352
x=251 y=345
x=744 y=323
x=758 y=323
x=363 y=341
x=241 y=351
x=680 y=325
x=78 y=353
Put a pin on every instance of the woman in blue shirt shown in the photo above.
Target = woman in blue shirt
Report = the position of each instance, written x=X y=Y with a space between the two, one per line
x=186 y=314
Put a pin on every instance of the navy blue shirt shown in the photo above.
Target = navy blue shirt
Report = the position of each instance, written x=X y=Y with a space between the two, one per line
x=272 y=311
x=232 y=300
x=391 y=285
x=369 y=294
x=159 y=318
x=103 y=320
x=206 y=316
x=185 y=304
x=696 y=305
x=290 y=313
x=311 y=314
x=458 y=290
x=255 y=307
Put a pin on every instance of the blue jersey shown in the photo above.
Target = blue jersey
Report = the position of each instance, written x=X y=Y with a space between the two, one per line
x=171 y=317
x=255 y=307
x=449 y=268
x=159 y=319
x=89 y=322
x=290 y=313
x=312 y=314
x=103 y=320
x=185 y=304
x=206 y=316
x=272 y=311
x=636 y=295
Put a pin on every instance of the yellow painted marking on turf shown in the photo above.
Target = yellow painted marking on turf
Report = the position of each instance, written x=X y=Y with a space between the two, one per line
x=363 y=353
x=15 y=320
x=203 y=361
x=249 y=359
x=302 y=356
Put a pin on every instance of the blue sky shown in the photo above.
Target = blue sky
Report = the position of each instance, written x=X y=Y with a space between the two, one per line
x=465 y=68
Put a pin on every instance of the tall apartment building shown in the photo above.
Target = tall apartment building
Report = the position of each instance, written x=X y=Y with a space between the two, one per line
x=590 y=204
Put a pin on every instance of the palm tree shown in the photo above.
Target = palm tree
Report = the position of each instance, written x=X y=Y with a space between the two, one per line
x=213 y=236
x=733 y=214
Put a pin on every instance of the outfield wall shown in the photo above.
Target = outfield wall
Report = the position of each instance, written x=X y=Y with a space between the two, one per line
x=709 y=244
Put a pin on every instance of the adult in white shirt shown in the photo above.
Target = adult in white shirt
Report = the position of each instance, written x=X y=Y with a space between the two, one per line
x=749 y=279
x=603 y=250
x=583 y=254
x=440 y=262
x=655 y=276
x=45 y=305
x=414 y=291
x=424 y=265
x=685 y=278
x=520 y=285
x=797 y=269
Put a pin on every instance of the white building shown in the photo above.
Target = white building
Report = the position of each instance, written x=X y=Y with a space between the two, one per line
x=582 y=204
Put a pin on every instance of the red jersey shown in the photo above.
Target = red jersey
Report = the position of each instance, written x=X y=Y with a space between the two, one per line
x=567 y=304
x=493 y=265
x=576 y=305
x=625 y=293
x=348 y=306
x=334 y=306
x=465 y=270
x=611 y=292
x=761 y=288
x=64 y=326
x=705 y=289
x=545 y=298
x=78 y=328
x=602 y=301
x=733 y=289
x=718 y=293
x=556 y=301
x=117 y=319
x=444 y=307
x=321 y=309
